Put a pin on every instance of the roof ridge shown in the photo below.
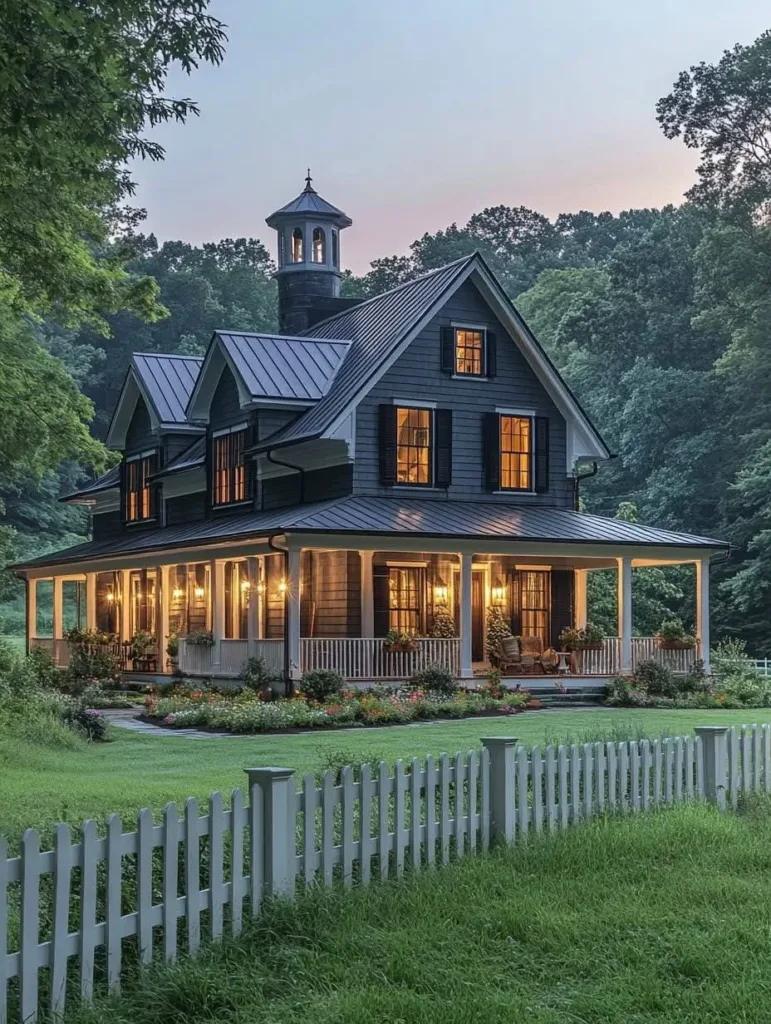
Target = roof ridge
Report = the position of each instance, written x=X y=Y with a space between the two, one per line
x=396 y=288
x=168 y=355
x=284 y=337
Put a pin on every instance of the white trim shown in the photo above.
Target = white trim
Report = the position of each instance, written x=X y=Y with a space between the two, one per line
x=413 y=403
x=224 y=431
x=407 y=565
x=130 y=394
x=462 y=326
x=534 y=568
x=141 y=455
x=522 y=413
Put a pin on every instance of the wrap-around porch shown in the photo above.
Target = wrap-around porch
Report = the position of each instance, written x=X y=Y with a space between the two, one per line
x=307 y=607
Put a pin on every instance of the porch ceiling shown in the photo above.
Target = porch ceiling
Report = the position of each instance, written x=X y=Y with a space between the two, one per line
x=379 y=521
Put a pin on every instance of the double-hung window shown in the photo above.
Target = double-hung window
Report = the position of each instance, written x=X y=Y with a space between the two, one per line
x=139 y=498
x=469 y=351
x=516 y=446
x=413 y=446
x=406 y=593
x=229 y=483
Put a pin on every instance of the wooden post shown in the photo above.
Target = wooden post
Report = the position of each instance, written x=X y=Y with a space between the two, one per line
x=625 y=613
x=57 y=615
x=502 y=750
x=278 y=826
x=367 y=595
x=292 y=613
x=580 y=592
x=466 y=666
x=90 y=600
x=702 y=610
x=31 y=612
x=125 y=604
x=218 y=609
x=254 y=614
x=714 y=750
x=163 y=600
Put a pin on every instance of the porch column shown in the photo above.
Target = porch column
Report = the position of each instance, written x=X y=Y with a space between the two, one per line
x=367 y=596
x=90 y=600
x=702 y=609
x=162 y=612
x=31 y=612
x=466 y=666
x=56 y=631
x=581 y=580
x=625 y=613
x=217 y=576
x=254 y=616
x=292 y=613
x=125 y=604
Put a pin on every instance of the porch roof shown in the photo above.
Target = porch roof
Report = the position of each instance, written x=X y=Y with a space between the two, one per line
x=389 y=517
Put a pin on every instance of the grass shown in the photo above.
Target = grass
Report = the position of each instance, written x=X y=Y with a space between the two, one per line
x=40 y=785
x=656 y=918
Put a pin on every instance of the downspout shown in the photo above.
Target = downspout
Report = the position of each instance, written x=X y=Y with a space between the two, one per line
x=288 y=682
x=576 y=481
x=288 y=465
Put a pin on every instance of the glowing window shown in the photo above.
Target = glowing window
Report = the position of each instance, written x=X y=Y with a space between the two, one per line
x=229 y=470
x=319 y=245
x=413 y=446
x=516 y=453
x=469 y=347
x=139 y=499
x=297 y=245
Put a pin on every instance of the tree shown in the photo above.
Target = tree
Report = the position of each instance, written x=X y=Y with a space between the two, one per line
x=724 y=110
x=79 y=85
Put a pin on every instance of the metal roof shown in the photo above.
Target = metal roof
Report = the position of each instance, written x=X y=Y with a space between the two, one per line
x=102 y=483
x=191 y=457
x=375 y=328
x=277 y=366
x=377 y=516
x=310 y=202
x=168 y=381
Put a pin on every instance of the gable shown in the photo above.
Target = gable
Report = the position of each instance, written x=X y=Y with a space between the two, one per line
x=225 y=403
x=140 y=431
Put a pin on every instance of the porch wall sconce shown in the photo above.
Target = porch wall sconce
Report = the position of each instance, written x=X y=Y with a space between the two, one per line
x=260 y=588
x=176 y=593
x=199 y=592
x=283 y=587
x=441 y=592
x=110 y=597
x=498 y=592
x=245 y=585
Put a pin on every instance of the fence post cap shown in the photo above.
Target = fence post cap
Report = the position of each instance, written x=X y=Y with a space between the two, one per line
x=711 y=730
x=259 y=775
x=498 y=741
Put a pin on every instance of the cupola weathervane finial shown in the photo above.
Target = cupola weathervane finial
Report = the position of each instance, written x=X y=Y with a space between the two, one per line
x=308 y=180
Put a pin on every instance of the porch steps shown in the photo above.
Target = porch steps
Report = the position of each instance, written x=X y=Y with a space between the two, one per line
x=552 y=699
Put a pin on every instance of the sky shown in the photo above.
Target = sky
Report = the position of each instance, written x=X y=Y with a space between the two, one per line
x=415 y=114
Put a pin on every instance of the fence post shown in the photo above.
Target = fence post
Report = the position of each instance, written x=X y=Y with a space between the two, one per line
x=501 y=750
x=278 y=827
x=714 y=746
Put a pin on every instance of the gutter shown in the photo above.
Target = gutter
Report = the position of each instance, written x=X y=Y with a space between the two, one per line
x=288 y=465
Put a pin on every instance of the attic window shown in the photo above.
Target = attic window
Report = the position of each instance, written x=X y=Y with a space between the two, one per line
x=138 y=493
x=297 y=245
x=469 y=351
x=229 y=468
x=319 y=245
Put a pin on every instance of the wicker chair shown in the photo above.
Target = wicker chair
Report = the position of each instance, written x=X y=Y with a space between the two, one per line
x=532 y=649
x=511 y=654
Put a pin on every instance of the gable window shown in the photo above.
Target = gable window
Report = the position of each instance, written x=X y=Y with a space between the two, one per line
x=469 y=351
x=229 y=467
x=516 y=440
x=406 y=590
x=413 y=446
x=139 y=497
x=319 y=246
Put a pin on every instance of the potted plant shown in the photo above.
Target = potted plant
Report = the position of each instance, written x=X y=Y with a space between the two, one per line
x=172 y=648
x=397 y=641
x=589 y=638
x=673 y=637
x=443 y=624
x=200 y=638
x=141 y=648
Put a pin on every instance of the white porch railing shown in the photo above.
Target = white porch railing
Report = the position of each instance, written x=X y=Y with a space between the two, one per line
x=44 y=643
x=271 y=652
x=233 y=654
x=607 y=660
x=366 y=657
x=195 y=659
x=603 y=662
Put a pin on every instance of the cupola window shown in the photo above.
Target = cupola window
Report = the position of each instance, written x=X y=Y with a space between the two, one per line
x=319 y=245
x=297 y=245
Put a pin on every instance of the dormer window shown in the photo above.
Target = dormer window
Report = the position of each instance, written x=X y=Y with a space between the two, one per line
x=469 y=351
x=297 y=245
x=139 y=494
x=229 y=466
x=319 y=245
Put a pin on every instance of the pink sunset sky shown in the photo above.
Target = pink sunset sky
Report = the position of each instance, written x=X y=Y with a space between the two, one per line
x=418 y=113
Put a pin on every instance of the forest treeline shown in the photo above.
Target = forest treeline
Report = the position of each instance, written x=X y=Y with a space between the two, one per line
x=659 y=319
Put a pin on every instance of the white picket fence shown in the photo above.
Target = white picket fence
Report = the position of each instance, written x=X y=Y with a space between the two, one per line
x=763 y=665
x=73 y=919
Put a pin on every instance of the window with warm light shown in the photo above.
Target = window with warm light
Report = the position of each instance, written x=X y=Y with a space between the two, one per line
x=516 y=436
x=236 y=600
x=469 y=352
x=297 y=245
x=318 y=252
x=405 y=600
x=229 y=468
x=413 y=446
x=139 y=503
x=535 y=604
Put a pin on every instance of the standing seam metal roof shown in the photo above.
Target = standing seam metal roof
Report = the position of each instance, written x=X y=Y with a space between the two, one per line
x=277 y=366
x=168 y=381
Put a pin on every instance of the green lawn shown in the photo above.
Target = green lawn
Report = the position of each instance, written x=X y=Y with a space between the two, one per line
x=658 y=918
x=39 y=786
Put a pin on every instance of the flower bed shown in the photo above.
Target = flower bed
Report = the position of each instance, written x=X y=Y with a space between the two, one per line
x=247 y=712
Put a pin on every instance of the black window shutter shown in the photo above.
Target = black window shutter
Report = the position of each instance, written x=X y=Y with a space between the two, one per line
x=387 y=440
x=250 y=466
x=492 y=355
x=541 y=453
x=443 y=442
x=123 y=492
x=380 y=599
x=515 y=603
x=561 y=602
x=492 y=451
x=447 y=355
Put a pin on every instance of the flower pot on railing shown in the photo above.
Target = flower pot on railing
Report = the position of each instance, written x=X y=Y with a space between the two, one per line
x=673 y=637
x=399 y=643
x=685 y=644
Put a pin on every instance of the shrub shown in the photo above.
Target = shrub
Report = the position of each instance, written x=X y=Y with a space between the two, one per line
x=443 y=624
x=656 y=679
x=91 y=658
x=321 y=684
x=434 y=679
x=43 y=668
x=256 y=676
x=90 y=724
x=200 y=638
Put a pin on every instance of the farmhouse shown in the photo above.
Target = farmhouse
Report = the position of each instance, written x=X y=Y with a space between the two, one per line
x=366 y=490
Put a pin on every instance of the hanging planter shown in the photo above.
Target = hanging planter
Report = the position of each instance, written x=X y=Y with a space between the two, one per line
x=672 y=637
x=399 y=643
